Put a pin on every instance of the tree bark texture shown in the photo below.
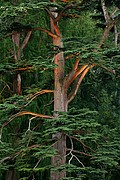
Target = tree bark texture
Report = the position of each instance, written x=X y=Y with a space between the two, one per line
x=60 y=99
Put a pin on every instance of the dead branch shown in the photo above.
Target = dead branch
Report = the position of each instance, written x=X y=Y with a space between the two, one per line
x=79 y=152
x=79 y=140
x=105 y=12
x=110 y=23
x=109 y=70
x=26 y=40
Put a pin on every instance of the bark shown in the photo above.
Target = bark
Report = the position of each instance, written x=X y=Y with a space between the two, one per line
x=11 y=175
x=110 y=23
x=60 y=99
x=17 y=57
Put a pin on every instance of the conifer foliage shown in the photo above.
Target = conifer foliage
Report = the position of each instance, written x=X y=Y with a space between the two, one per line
x=59 y=90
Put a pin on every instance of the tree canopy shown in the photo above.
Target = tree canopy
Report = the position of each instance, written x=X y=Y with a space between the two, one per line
x=59 y=90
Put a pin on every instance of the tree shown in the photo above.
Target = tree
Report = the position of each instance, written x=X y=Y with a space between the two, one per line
x=66 y=83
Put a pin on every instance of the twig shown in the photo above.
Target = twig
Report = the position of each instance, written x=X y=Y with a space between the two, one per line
x=37 y=94
x=37 y=164
x=84 y=145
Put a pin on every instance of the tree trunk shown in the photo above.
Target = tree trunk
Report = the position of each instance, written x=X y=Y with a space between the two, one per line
x=17 y=57
x=11 y=175
x=60 y=101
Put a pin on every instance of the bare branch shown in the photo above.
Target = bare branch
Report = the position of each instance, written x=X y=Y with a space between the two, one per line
x=116 y=36
x=72 y=76
x=37 y=94
x=33 y=29
x=26 y=40
x=21 y=113
x=76 y=64
x=110 y=23
x=109 y=70
x=75 y=90
x=46 y=31
x=69 y=6
x=5 y=159
x=105 y=33
x=106 y=15
x=79 y=140
x=50 y=13
x=79 y=152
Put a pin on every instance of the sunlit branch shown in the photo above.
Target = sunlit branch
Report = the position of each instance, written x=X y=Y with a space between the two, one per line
x=46 y=31
x=33 y=29
x=23 y=69
x=21 y=113
x=76 y=64
x=76 y=87
x=37 y=94
x=72 y=55
x=72 y=76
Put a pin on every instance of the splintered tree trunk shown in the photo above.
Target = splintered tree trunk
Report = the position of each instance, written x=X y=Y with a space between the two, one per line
x=60 y=101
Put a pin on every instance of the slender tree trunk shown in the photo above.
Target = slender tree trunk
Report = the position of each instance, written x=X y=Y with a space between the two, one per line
x=17 y=57
x=60 y=101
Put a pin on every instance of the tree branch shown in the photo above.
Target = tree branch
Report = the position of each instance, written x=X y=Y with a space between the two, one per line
x=107 y=30
x=76 y=64
x=76 y=87
x=46 y=31
x=26 y=40
x=21 y=113
x=62 y=12
x=72 y=76
x=79 y=140
x=105 y=12
x=110 y=23
x=37 y=94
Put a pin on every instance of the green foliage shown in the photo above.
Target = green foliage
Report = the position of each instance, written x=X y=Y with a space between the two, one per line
x=91 y=125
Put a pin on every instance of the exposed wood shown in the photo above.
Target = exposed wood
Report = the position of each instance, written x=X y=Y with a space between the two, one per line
x=104 y=8
x=72 y=76
x=110 y=23
x=76 y=87
x=26 y=40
